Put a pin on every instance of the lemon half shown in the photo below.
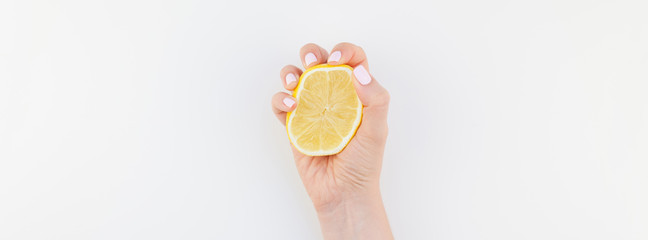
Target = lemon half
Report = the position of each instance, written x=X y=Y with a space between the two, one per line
x=328 y=111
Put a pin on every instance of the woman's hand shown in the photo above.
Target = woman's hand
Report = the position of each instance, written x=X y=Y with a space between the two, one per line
x=344 y=188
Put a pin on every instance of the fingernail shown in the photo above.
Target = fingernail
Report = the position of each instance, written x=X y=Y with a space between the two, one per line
x=288 y=102
x=362 y=75
x=310 y=58
x=335 y=56
x=290 y=78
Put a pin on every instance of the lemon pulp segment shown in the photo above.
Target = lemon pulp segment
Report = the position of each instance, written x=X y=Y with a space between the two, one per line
x=328 y=111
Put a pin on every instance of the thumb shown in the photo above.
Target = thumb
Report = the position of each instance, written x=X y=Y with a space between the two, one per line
x=375 y=100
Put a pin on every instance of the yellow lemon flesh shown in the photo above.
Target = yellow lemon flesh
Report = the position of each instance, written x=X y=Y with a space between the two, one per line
x=328 y=111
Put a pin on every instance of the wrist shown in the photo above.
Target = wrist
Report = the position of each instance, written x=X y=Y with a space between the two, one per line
x=353 y=198
x=357 y=216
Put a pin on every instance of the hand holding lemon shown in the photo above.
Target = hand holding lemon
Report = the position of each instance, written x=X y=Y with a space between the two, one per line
x=337 y=126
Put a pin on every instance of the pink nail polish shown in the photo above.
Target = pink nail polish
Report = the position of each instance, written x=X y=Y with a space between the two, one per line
x=288 y=102
x=335 y=56
x=310 y=58
x=290 y=78
x=362 y=75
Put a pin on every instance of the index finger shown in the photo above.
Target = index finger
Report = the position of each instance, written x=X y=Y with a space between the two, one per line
x=349 y=54
x=311 y=54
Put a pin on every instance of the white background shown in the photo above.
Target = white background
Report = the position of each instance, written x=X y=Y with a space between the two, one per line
x=151 y=119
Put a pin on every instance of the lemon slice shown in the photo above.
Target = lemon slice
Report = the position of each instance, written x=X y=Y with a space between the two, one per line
x=328 y=111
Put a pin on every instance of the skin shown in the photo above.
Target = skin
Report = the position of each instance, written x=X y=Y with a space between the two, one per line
x=345 y=188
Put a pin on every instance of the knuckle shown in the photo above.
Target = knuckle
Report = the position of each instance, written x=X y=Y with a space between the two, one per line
x=360 y=50
x=344 y=44
x=284 y=70
x=273 y=101
x=308 y=47
x=277 y=96
x=383 y=97
x=289 y=69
